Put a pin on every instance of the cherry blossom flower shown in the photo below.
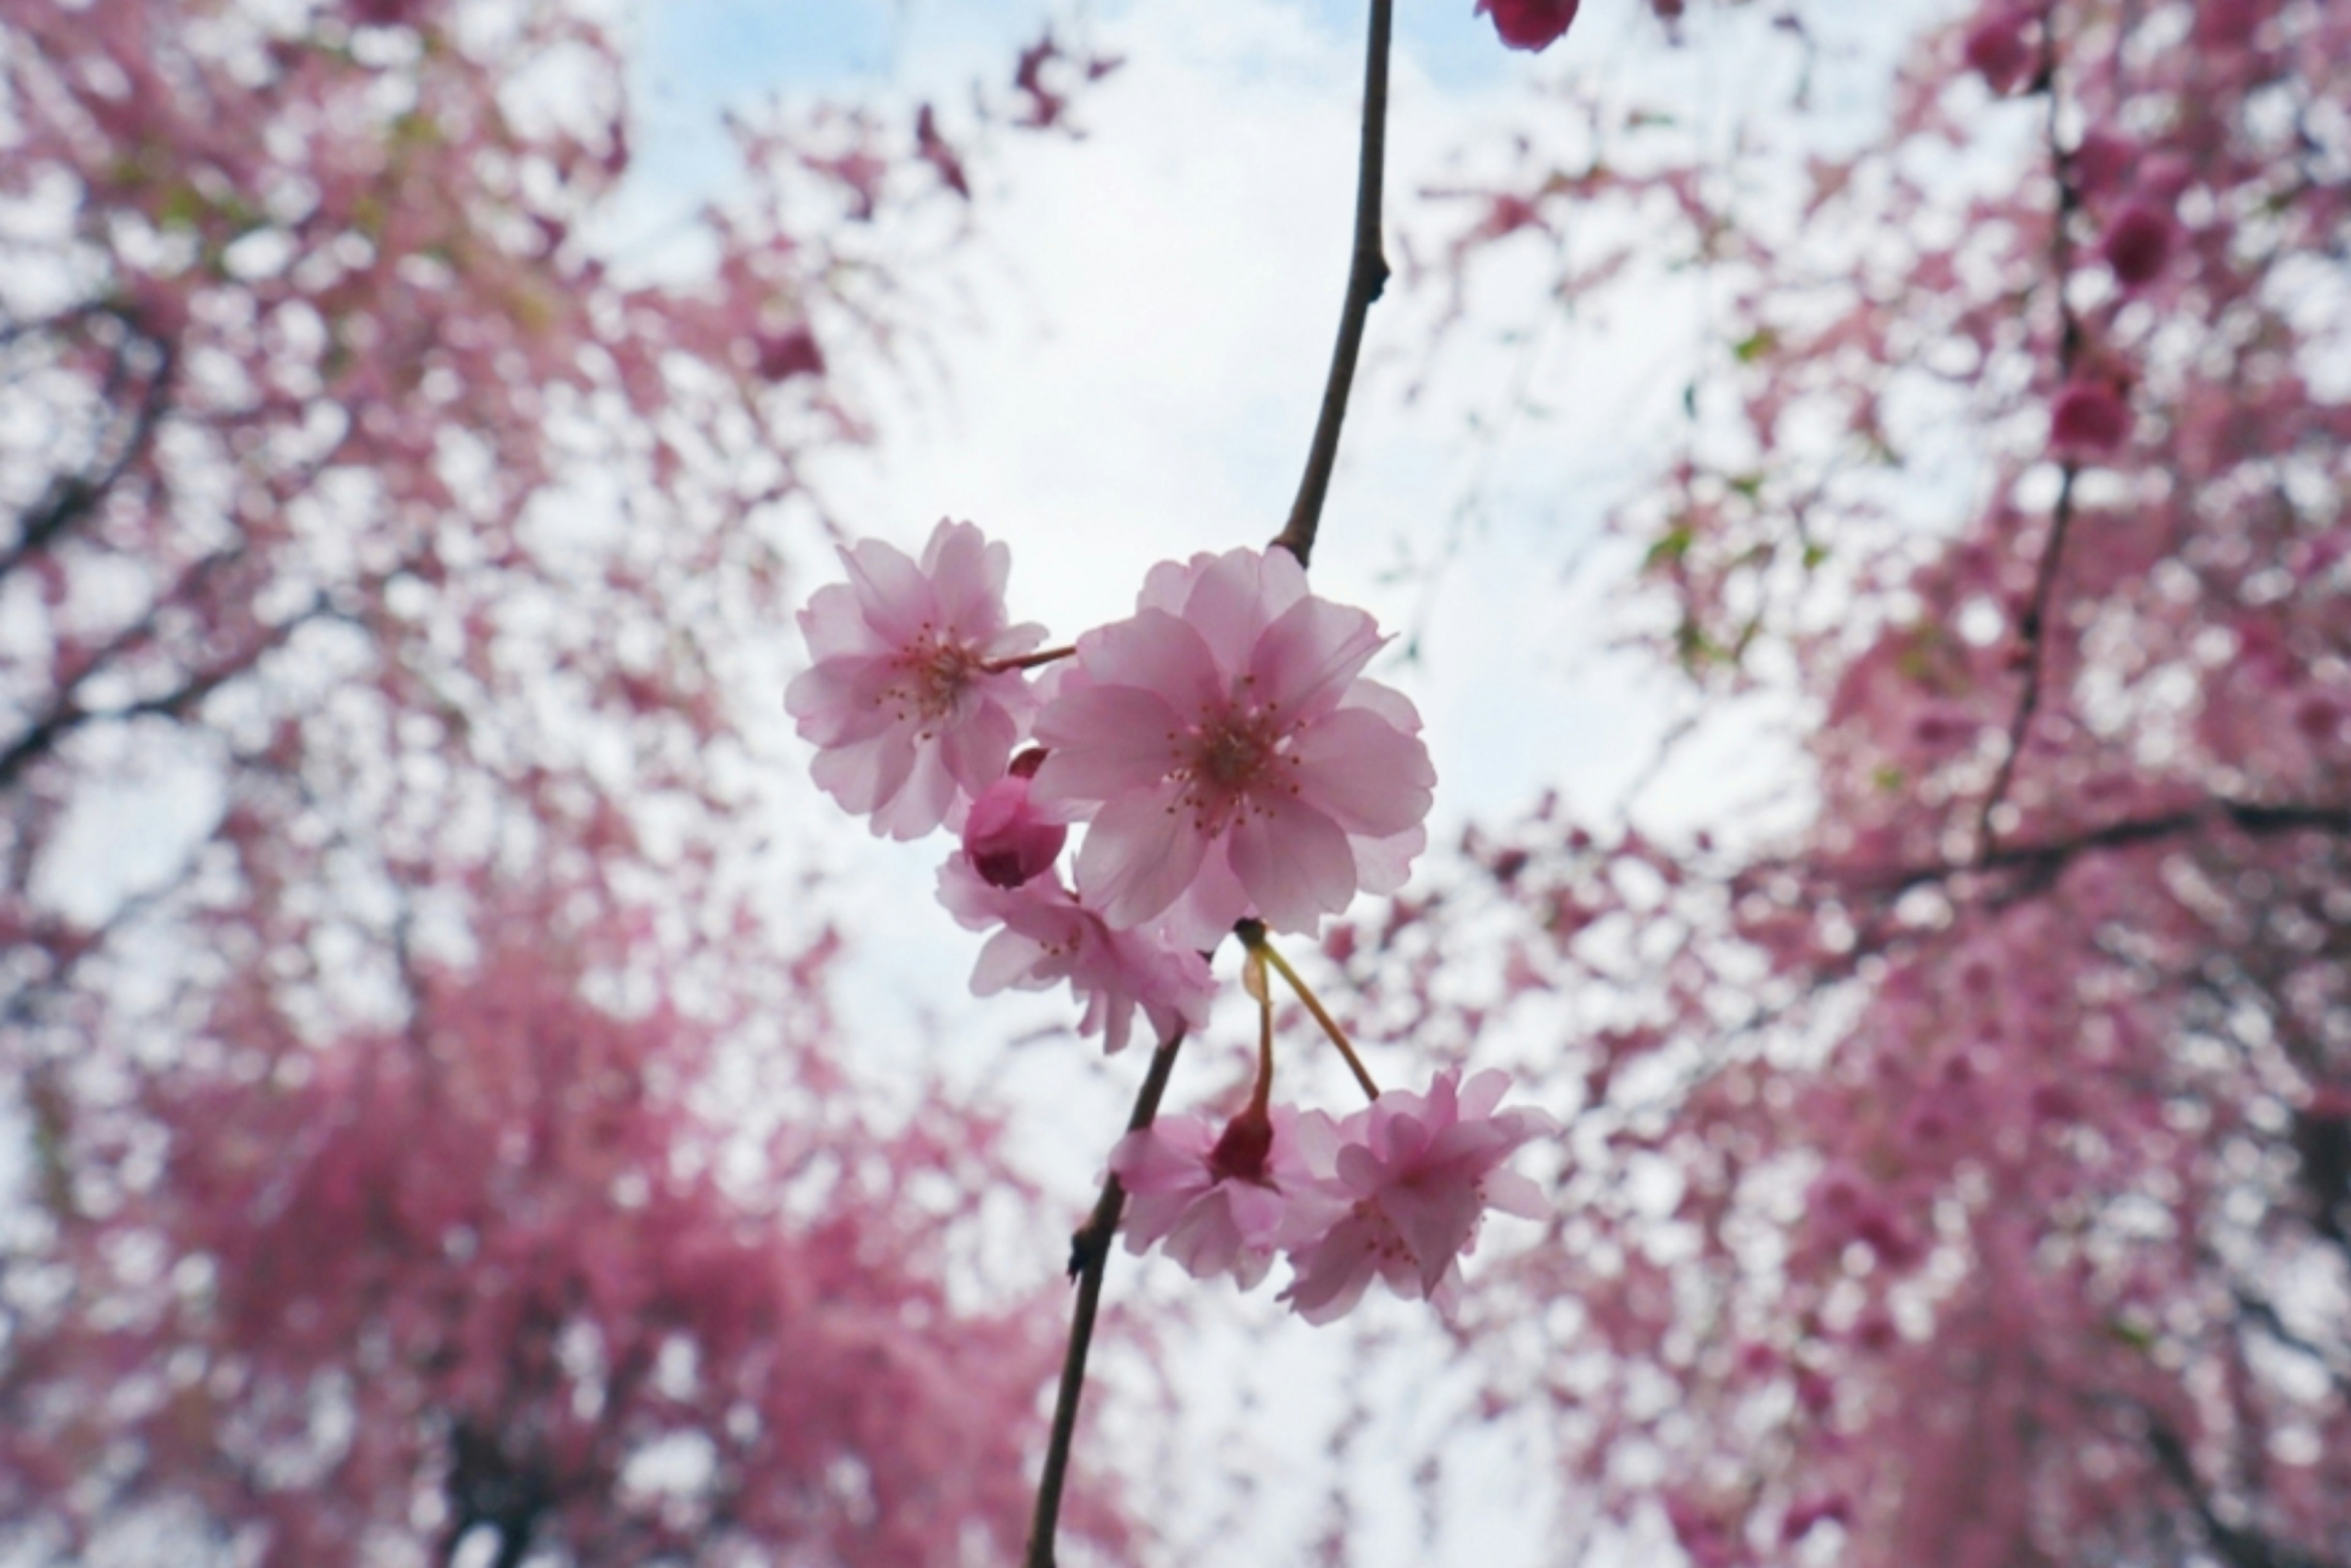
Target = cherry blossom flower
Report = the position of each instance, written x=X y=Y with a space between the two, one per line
x=1415 y=1173
x=1529 y=23
x=1042 y=936
x=1223 y=1202
x=1007 y=842
x=1229 y=755
x=901 y=701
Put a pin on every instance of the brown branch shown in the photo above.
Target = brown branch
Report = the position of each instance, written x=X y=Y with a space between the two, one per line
x=1089 y=1259
x=1367 y=273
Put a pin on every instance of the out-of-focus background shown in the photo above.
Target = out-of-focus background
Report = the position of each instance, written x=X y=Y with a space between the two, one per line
x=1856 y=499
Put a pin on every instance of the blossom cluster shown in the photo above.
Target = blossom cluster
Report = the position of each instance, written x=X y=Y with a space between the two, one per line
x=1228 y=766
x=1395 y=1192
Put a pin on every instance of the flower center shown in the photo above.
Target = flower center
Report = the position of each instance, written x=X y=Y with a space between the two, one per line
x=1224 y=759
x=932 y=677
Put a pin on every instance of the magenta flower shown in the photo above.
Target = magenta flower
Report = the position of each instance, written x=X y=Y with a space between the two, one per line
x=1229 y=757
x=2138 y=243
x=901 y=701
x=1043 y=936
x=1412 y=1177
x=1529 y=23
x=2088 y=416
x=1224 y=1202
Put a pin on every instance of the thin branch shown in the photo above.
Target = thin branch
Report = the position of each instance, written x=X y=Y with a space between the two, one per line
x=67 y=715
x=1367 y=273
x=72 y=496
x=1089 y=1259
x=2032 y=625
x=2043 y=859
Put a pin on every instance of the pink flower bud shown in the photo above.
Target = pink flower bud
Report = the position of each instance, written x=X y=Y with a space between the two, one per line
x=2088 y=416
x=1240 y=1153
x=2137 y=243
x=1529 y=23
x=1008 y=841
x=780 y=356
x=1996 y=50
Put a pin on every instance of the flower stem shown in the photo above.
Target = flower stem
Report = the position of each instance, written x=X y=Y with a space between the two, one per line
x=1367 y=273
x=1262 y=1098
x=1025 y=661
x=1089 y=1257
x=1252 y=935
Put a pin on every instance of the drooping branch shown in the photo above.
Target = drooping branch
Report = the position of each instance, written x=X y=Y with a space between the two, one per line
x=1089 y=1259
x=1367 y=275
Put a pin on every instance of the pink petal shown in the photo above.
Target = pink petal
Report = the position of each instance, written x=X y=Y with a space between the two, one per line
x=1515 y=1194
x=970 y=574
x=977 y=747
x=1139 y=855
x=1294 y=860
x=1385 y=701
x=1303 y=663
x=835 y=627
x=922 y=802
x=1435 y=1225
x=1383 y=865
x=1157 y=652
x=1102 y=742
x=1228 y=607
x=1008 y=958
x=896 y=598
x=861 y=774
x=1371 y=777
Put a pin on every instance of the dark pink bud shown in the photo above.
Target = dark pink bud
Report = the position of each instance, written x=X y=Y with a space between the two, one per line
x=2137 y=243
x=1006 y=840
x=780 y=356
x=1996 y=50
x=1240 y=1154
x=1529 y=23
x=2088 y=416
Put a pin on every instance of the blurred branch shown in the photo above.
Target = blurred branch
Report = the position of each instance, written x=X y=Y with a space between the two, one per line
x=2043 y=860
x=73 y=497
x=2032 y=626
